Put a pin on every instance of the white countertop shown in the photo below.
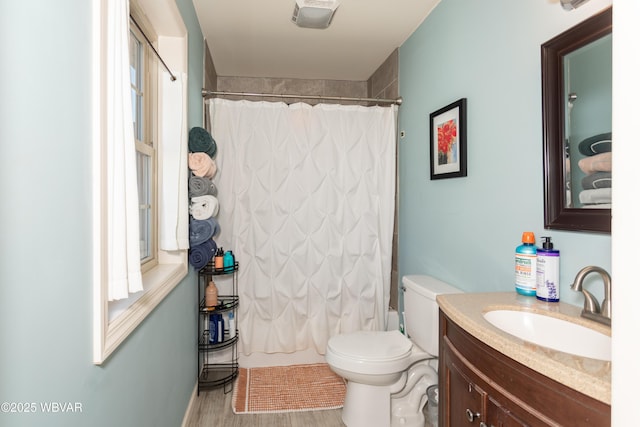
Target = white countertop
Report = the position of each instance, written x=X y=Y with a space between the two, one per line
x=588 y=376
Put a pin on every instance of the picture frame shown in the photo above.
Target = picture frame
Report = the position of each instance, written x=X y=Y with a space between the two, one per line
x=448 y=141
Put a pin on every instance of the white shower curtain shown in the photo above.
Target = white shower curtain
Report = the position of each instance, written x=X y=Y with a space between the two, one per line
x=307 y=205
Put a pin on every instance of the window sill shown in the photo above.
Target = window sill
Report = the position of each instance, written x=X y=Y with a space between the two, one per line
x=158 y=283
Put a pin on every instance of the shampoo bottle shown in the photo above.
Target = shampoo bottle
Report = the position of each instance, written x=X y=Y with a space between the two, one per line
x=232 y=325
x=548 y=272
x=229 y=261
x=220 y=327
x=213 y=329
x=211 y=295
x=526 y=265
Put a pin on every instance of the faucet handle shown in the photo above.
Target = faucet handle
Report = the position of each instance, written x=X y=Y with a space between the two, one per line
x=590 y=302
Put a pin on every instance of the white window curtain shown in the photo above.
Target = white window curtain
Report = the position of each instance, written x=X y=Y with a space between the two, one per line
x=307 y=205
x=122 y=192
x=173 y=197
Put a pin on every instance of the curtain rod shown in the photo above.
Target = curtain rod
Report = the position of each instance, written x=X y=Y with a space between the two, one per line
x=212 y=93
x=173 y=78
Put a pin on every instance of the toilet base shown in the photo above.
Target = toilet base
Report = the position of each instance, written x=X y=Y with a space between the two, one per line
x=407 y=405
x=366 y=406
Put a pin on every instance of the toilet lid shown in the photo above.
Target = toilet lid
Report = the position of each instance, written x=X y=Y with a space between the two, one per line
x=371 y=345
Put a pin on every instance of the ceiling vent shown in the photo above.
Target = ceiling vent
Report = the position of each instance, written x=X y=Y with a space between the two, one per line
x=314 y=13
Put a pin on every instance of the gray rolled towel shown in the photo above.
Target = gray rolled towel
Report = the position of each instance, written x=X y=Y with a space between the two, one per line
x=596 y=144
x=597 y=180
x=201 y=141
x=202 y=230
x=201 y=186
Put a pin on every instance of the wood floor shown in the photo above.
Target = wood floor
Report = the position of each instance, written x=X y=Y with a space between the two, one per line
x=213 y=409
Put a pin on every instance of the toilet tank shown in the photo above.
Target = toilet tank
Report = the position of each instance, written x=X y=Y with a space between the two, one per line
x=421 y=309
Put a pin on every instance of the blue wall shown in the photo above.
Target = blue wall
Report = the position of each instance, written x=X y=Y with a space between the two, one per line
x=464 y=230
x=45 y=238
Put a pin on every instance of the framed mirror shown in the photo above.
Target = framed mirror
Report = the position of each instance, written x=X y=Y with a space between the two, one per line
x=576 y=107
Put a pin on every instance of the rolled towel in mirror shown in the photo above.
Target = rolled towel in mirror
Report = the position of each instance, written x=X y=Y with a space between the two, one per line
x=596 y=144
x=597 y=180
x=201 y=230
x=598 y=163
x=595 y=196
x=201 y=141
x=200 y=255
x=202 y=165
x=199 y=186
x=203 y=207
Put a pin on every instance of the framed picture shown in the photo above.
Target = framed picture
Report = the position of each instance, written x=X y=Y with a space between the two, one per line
x=448 y=141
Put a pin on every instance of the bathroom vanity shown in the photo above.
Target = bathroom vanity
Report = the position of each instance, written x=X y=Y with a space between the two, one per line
x=490 y=378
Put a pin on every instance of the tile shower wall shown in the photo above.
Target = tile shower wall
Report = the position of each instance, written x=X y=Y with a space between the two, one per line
x=383 y=83
x=210 y=75
x=283 y=86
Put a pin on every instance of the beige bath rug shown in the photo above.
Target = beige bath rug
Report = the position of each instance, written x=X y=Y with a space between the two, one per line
x=287 y=389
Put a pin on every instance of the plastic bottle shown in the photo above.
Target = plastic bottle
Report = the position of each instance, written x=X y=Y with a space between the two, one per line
x=526 y=265
x=218 y=260
x=211 y=295
x=220 y=328
x=232 y=325
x=213 y=329
x=229 y=261
x=548 y=272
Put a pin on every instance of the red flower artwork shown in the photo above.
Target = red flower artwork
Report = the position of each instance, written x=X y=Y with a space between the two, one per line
x=447 y=133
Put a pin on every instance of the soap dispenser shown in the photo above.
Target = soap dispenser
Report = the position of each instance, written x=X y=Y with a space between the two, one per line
x=218 y=260
x=548 y=272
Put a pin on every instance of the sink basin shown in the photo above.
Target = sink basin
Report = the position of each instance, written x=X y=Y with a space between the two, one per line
x=551 y=332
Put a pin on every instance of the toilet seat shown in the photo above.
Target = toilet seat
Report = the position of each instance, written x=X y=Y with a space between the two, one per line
x=370 y=352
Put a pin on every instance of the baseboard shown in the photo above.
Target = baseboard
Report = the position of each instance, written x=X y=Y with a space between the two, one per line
x=187 y=414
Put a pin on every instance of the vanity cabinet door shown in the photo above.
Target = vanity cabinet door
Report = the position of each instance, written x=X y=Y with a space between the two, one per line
x=464 y=399
x=499 y=416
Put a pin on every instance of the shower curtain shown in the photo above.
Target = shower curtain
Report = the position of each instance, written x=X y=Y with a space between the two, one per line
x=307 y=206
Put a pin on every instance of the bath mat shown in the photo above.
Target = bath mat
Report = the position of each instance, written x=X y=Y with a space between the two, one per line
x=293 y=388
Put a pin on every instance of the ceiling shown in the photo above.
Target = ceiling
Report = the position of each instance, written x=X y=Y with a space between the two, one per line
x=256 y=38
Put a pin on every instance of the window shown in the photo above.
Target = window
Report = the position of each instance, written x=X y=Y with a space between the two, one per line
x=153 y=109
x=143 y=102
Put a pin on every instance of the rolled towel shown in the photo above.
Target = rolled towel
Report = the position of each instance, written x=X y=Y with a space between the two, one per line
x=597 y=180
x=202 y=165
x=201 y=254
x=596 y=144
x=201 y=230
x=204 y=207
x=200 y=141
x=598 y=163
x=199 y=186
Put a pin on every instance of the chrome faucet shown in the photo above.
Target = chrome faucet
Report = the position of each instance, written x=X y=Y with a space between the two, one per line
x=591 y=308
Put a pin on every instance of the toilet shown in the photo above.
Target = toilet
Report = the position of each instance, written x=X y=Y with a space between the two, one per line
x=387 y=372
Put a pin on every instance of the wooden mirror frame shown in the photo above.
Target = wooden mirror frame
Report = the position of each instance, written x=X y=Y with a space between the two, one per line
x=556 y=215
